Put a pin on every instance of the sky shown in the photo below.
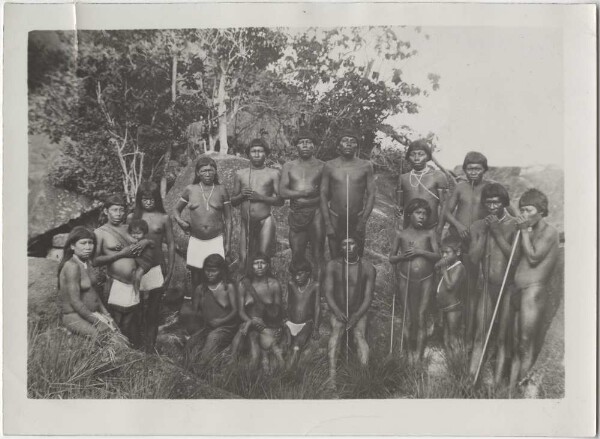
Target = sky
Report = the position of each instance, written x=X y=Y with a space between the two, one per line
x=500 y=93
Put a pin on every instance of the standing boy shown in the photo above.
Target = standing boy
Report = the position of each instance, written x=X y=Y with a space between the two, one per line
x=348 y=287
x=491 y=245
x=416 y=248
x=450 y=291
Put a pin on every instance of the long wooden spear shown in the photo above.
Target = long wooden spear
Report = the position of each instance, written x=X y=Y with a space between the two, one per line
x=489 y=332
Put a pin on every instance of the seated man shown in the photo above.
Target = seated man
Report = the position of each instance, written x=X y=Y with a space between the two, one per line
x=304 y=309
x=348 y=287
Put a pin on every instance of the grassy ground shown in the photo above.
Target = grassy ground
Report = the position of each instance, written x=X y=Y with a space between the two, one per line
x=62 y=366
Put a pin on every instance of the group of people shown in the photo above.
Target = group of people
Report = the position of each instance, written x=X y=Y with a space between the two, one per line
x=489 y=249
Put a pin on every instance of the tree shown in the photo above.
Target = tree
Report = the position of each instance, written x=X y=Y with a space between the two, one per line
x=117 y=95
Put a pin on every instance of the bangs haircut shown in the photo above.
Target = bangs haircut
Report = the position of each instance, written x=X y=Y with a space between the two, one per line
x=138 y=224
x=493 y=190
x=419 y=145
x=77 y=234
x=148 y=189
x=257 y=142
x=475 y=158
x=414 y=204
x=205 y=160
x=453 y=242
x=535 y=198
x=299 y=266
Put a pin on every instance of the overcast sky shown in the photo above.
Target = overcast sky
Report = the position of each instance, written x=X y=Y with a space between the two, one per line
x=500 y=93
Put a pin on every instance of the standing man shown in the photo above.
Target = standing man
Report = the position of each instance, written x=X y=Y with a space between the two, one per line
x=257 y=189
x=347 y=194
x=491 y=246
x=114 y=250
x=300 y=183
x=348 y=287
x=423 y=182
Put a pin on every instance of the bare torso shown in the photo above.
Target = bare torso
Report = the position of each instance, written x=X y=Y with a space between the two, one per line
x=110 y=243
x=262 y=181
x=205 y=204
x=88 y=294
x=265 y=303
x=305 y=175
x=157 y=221
x=420 y=267
x=347 y=185
x=527 y=273
x=301 y=302
x=427 y=186
x=494 y=266
x=216 y=304
x=469 y=208
x=355 y=286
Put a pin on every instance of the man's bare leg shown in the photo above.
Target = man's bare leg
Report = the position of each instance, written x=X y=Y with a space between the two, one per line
x=504 y=340
x=255 y=351
x=317 y=242
x=298 y=243
x=337 y=330
x=152 y=315
x=515 y=366
x=243 y=245
x=361 y=342
x=426 y=289
x=532 y=305
x=478 y=340
x=471 y=304
x=267 y=235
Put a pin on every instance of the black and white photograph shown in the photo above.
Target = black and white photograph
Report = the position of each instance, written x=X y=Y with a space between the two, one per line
x=315 y=212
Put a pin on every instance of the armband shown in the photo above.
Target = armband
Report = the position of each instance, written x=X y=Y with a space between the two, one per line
x=227 y=202
x=184 y=200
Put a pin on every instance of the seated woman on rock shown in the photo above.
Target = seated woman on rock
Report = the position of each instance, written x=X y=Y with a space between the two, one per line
x=214 y=302
x=80 y=307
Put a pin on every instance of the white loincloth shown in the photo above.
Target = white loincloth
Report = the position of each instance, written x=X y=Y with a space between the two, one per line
x=122 y=295
x=153 y=279
x=198 y=250
x=295 y=328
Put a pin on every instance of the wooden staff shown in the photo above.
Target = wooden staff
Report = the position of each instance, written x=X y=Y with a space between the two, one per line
x=248 y=222
x=347 y=271
x=489 y=332
x=395 y=267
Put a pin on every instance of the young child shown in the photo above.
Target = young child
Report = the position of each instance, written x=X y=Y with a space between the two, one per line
x=450 y=290
x=138 y=229
x=303 y=309
x=417 y=250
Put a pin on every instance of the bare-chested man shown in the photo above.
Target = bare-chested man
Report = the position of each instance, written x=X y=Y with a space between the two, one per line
x=210 y=217
x=463 y=208
x=114 y=250
x=416 y=249
x=423 y=182
x=348 y=287
x=490 y=249
x=256 y=189
x=300 y=183
x=539 y=247
x=304 y=309
x=347 y=194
